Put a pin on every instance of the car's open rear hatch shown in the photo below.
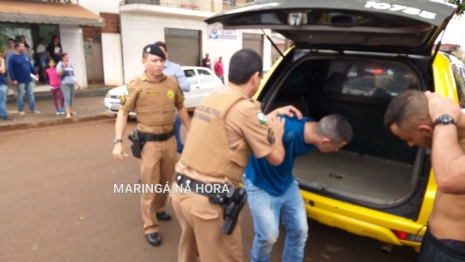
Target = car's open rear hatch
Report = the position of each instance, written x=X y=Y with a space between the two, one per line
x=398 y=26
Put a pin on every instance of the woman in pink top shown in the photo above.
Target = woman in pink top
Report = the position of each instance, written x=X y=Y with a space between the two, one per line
x=54 y=81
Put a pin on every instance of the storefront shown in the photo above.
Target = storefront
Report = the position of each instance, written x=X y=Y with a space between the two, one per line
x=36 y=19
x=32 y=33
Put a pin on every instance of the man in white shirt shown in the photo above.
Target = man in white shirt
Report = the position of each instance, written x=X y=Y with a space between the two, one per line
x=40 y=58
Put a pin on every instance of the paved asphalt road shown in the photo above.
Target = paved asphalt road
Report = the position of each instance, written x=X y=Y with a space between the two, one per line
x=57 y=204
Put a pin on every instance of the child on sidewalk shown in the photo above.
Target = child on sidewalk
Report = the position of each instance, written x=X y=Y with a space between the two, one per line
x=54 y=81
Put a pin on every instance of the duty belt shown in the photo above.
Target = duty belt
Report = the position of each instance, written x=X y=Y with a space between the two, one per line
x=151 y=137
x=200 y=188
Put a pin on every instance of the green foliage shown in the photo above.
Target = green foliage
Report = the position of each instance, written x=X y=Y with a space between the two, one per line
x=460 y=4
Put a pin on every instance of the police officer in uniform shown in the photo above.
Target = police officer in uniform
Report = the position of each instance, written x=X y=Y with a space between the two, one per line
x=226 y=128
x=154 y=97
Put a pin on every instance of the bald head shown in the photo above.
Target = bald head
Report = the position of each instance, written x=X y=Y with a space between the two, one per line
x=336 y=128
x=407 y=109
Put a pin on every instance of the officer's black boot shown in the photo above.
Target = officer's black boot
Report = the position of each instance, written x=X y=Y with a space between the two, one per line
x=163 y=216
x=154 y=239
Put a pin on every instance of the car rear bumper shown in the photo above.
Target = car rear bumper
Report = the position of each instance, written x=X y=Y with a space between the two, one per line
x=361 y=221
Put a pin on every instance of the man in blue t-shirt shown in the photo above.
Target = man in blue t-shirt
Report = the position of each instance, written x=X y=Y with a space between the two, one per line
x=273 y=193
x=20 y=70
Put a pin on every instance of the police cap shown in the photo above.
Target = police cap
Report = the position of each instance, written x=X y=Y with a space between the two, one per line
x=154 y=50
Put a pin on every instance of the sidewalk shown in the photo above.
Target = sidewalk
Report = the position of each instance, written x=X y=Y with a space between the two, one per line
x=47 y=95
x=87 y=108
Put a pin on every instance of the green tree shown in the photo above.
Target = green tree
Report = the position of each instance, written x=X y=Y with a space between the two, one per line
x=460 y=4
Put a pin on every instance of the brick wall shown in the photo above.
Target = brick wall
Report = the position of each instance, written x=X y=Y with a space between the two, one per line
x=112 y=25
x=94 y=33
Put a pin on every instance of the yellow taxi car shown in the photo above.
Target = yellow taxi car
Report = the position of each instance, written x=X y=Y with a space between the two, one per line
x=352 y=57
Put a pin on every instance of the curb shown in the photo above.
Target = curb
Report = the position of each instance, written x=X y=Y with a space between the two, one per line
x=56 y=122
x=45 y=96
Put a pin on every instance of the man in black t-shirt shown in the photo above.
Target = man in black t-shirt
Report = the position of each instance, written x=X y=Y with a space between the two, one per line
x=206 y=61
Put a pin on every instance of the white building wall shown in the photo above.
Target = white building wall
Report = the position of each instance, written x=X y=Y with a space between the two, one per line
x=73 y=44
x=112 y=59
x=101 y=6
x=139 y=30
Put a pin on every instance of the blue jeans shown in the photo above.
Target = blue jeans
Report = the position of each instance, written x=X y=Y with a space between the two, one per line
x=177 y=128
x=3 y=111
x=267 y=211
x=29 y=95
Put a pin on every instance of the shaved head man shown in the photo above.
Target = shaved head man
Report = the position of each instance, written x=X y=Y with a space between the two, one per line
x=429 y=120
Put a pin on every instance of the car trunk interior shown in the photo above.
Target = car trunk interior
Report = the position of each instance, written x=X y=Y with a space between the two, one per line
x=376 y=168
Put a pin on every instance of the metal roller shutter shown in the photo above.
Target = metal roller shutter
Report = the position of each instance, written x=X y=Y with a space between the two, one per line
x=183 y=46
x=254 y=42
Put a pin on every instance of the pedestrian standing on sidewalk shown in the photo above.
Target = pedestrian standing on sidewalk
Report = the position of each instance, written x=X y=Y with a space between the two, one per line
x=41 y=59
x=27 y=51
x=8 y=52
x=54 y=49
x=20 y=70
x=55 y=87
x=68 y=82
x=3 y=112
x=206 y=61
x=219 y=69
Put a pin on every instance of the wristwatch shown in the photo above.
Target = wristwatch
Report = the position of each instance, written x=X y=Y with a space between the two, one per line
x=117 y=141
x=444 y=120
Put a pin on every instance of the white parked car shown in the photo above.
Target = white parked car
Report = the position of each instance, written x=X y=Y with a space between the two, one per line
x=202 y=80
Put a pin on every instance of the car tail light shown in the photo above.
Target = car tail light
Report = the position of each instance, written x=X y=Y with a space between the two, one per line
x=409 y=237
x=401 y=235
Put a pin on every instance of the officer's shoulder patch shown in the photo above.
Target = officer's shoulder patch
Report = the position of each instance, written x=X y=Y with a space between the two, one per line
x=261 y=118
x=271 y=137
x=122 y=99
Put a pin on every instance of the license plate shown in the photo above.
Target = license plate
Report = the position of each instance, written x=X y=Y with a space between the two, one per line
x=115 y=107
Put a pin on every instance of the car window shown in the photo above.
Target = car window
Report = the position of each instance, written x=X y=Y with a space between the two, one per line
x=459 y=75
x=190 y=76
x=205 y=76
x=369 y=78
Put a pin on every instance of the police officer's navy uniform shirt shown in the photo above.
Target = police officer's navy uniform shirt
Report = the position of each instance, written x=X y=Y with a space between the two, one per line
x=275 y=180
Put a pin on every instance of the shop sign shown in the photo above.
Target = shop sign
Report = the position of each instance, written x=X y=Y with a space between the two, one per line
x=216 y=31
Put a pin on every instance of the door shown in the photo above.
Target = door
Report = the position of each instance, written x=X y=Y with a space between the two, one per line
x=183 y=46
x=396 y=26
x=191 y=97
x=254 y=42
x=94 y=62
